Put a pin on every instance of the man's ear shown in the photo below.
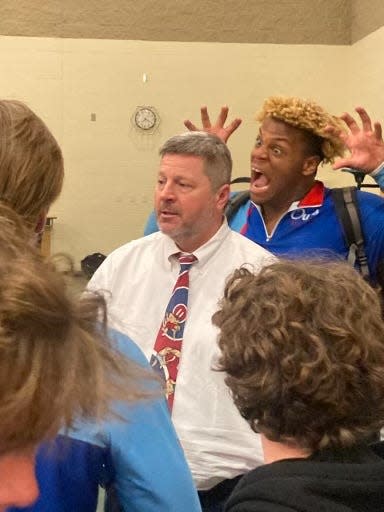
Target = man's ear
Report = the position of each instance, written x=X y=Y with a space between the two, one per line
x=41 y=222
x=310 y=165
x=222 y=196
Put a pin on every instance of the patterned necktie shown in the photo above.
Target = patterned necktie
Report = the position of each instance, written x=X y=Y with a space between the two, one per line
x=166 y=353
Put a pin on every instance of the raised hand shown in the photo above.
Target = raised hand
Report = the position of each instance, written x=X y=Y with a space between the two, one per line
x=218 y=129
x=365 y=143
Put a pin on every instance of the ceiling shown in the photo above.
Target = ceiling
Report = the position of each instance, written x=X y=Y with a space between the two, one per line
x=330 y=22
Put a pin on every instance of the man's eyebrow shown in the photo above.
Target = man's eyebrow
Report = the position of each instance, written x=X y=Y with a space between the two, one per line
x=176 y=176
x=183 y=177
x=282 y=138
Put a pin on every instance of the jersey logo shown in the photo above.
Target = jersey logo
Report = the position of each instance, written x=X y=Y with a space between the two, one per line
x=301 y=214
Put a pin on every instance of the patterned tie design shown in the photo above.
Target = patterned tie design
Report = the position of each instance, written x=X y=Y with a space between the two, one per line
x=166 y=353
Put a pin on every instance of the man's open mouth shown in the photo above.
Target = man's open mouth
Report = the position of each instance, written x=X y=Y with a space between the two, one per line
x=258 y=179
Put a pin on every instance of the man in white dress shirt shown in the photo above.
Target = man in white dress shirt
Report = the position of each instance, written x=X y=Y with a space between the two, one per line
x=191 y=193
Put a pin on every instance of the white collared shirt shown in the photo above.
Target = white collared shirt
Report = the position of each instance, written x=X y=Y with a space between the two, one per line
x=139 y=278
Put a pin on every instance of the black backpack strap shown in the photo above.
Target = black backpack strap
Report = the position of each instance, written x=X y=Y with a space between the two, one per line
x=235 y=202
x=241 y=179
x=347 y=210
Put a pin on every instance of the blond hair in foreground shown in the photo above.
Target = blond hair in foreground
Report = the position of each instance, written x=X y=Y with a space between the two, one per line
x=303 y=348
x=31 y=162
x=56 y=361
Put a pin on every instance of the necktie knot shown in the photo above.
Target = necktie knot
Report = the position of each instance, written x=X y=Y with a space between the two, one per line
x=186 y=260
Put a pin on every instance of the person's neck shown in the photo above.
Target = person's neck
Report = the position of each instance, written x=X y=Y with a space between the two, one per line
x=272 y=215
x=274 y=451
x=272 y=212
x=193 y=242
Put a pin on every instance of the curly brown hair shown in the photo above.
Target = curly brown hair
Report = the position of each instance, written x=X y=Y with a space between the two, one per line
x=309 y=116
x=303 y=348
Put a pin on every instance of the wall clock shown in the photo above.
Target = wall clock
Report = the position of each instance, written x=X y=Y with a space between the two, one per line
x=146 y=118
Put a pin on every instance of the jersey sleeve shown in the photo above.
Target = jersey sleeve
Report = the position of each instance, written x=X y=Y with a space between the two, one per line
x=371 y=207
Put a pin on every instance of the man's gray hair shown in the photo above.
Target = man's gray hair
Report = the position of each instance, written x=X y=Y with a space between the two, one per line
x=215 y=153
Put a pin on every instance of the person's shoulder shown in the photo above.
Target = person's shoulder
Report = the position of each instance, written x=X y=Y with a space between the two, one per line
x=369 y=198
x=127 y=347
x=265 y=489
x=371 y=209
x=140 y=244
x=247 y=247
x=132 y=258
x=363 y=197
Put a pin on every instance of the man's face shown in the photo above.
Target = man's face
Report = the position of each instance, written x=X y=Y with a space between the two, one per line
x=187 y=209
x=18 y=486
x=280 y=168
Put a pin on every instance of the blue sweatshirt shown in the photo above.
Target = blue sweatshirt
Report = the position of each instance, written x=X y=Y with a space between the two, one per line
x=139 y=461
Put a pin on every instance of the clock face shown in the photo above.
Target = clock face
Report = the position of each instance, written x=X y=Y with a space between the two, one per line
x=145 y=118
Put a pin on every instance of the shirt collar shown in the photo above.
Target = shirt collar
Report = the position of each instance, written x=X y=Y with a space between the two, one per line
x=314 y=198
x=204 y=252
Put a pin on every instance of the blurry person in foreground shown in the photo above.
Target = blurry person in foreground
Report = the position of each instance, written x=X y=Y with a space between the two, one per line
x=303 y=350
x=57 y=364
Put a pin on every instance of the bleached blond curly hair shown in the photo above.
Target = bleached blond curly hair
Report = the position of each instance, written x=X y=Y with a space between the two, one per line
x=306 y=115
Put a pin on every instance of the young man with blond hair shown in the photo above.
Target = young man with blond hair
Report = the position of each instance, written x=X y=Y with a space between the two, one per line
x=289 y=211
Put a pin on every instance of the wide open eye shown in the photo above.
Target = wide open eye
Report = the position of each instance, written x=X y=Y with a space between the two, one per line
x=276 y=150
